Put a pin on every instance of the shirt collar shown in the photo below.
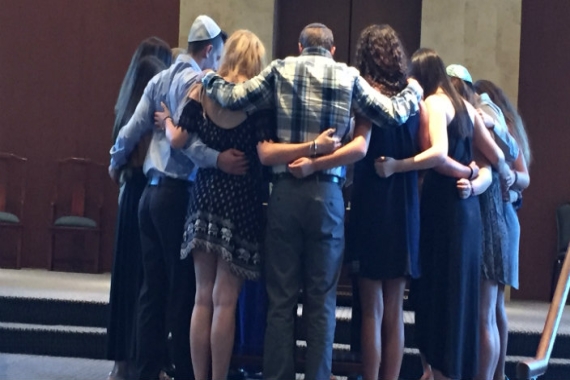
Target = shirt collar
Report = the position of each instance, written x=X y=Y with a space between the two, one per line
x=317 y=51
x=484 y=97
x=186 y=58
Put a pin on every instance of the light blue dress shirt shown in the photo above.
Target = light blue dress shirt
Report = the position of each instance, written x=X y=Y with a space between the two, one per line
x=171 y=87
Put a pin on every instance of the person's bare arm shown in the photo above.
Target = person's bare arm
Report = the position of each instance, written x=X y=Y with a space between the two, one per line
x=452 y=168
x=272 y=153
x=230 y=161
x=520 y=171
x=479 y=185
x=432 y=118
x=176 y=136
x=353 y=151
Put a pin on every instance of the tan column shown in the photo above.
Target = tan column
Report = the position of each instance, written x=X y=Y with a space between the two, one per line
x=482 y=35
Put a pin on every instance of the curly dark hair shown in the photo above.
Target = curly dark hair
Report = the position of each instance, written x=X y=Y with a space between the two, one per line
x=381 y=59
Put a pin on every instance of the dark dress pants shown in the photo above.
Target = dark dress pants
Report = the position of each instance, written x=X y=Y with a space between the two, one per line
x=168 y=290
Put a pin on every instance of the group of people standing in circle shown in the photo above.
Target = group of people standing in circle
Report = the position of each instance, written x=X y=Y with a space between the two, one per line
x=457 y=238
x=437 y=181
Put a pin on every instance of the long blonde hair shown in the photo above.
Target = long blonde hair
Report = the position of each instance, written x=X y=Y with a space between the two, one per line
x=244 y=55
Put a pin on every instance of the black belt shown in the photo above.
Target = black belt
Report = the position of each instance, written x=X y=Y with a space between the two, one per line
x=162 y=180
x=318 y=177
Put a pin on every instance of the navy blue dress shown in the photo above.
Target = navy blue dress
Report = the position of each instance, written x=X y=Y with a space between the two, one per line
x=446 y=297
x=384 y=227
x=126 y=277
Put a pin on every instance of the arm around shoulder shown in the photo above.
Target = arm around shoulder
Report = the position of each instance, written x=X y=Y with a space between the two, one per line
x=354 y=151
x=381 y=109
x=252 y=95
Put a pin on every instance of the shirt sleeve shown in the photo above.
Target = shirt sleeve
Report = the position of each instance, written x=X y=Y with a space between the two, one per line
x=191 y=117
x=140 y=123
x=201 y=154
x=503 y=138
x=250 y=96
x=381 y=109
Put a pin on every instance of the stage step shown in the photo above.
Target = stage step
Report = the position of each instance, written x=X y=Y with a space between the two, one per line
x=53 y=340
x=347 y=364
x=42 y=311
x=50 y=311
x=522 y=340
x=61 y=314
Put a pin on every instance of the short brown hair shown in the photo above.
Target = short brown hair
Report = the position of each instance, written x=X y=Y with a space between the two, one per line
x=197 y=46
x=316 y=35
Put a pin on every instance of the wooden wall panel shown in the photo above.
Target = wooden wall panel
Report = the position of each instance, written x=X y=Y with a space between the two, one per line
x=62 y=65
x=291 y=16
x=404 y=17
x=543 y=100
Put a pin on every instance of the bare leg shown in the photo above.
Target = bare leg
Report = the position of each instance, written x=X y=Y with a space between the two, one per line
x=489 y=345
x=503 y=327
x=371 y=341
x=201 y=324
x=119 y=371
x=392 y=328
x=438 y=375
x=226 y=293
x=428 y=374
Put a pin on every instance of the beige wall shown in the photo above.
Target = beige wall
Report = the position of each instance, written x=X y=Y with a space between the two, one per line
x=255 y=15
x=482 y=35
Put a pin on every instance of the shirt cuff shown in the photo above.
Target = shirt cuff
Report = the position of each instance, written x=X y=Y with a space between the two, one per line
x=208 y=78
x=115 y=163
x=211 y=158
x=417 y=89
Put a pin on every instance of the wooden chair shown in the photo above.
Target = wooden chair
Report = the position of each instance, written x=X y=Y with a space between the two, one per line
x=76 y=216
x=12 y=196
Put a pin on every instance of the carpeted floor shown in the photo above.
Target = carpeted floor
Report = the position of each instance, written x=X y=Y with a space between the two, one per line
x=30 y=367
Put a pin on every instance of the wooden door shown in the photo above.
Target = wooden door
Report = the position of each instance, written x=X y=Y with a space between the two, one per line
x=291 y=16
x=404 y=16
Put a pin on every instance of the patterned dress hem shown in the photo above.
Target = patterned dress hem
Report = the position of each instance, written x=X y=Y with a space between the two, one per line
x=240 y=271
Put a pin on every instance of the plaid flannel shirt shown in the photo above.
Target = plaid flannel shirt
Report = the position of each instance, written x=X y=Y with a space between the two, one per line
x=312 y=93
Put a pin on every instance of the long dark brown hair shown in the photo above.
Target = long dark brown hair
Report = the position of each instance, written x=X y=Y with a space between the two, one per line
x=127 y=99
x=381 y=59
x=512 y=116
x=464 y=90
x=428 y=69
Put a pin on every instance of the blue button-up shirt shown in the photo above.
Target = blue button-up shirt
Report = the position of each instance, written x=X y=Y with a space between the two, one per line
x=171 y=87
x=311 y=93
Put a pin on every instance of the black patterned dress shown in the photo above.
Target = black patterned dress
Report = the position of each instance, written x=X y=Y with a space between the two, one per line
x=495 y=232
x=225 y=211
